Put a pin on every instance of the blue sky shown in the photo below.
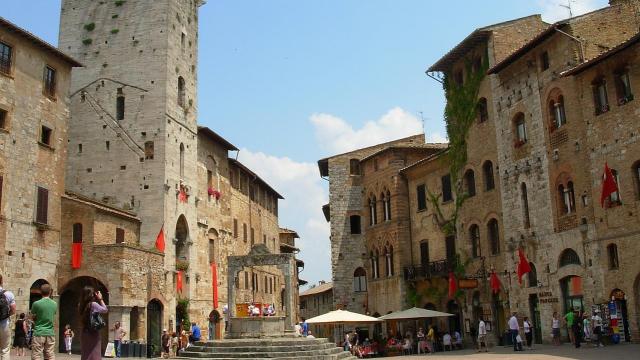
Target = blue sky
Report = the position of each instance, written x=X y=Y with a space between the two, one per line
x=291 y=81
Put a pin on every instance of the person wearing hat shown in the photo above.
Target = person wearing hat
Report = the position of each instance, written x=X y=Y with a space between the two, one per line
x=166 y=344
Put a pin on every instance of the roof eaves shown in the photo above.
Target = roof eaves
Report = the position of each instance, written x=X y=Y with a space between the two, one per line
x=603 y=56
x=251 y=172
x=425 y=160
x=39 y=42
x=217 y=138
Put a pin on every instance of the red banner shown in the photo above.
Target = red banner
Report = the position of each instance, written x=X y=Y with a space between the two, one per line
x=214 y=283
x=179 y=281
x=76 y=255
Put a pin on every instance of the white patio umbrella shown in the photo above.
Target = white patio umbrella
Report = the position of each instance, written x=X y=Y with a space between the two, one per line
x=342 y=317
x=414 y=313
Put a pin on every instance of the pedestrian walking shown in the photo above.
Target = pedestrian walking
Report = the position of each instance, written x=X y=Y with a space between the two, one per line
x=586 y=328
x=166 y=344
x=90 y=307
x=20 y=335
x=577 y=328
x=569 y=319
x=118 y=335
x=555 y=329
x=596 y=320
x=513 y=329
x=528 y=334
x=225 y=312
x=482 y=336
x=68 y=338
x=7 y=308
x=44 y=314
x=431 y=339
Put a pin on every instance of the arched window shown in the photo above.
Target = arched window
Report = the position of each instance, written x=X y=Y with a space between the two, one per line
x=354 y=221
x=181 y=92
x=556 y=111
x=533 y=276
x=612 y=252
x=569 y=257
x=566 y=197
x=636 y=178
x=474 y=234
x=181 y=161
x=377 y=263
x=525 y=206
x=77 y=233
x=387 y=205
x=487 y=172
x=482 y=112
x=360 y=280
x=600 y=99
x=470 y=182
x=389 y=261
x=494 y=236
x=520 y=130
x=373 y=212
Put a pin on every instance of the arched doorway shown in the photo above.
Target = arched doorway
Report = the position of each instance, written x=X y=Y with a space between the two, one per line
x=182 y=239
x=454 y=321
x=34 y=291
x=619 y=299
x=154 y=325
x=69 y=299
x=571 y=287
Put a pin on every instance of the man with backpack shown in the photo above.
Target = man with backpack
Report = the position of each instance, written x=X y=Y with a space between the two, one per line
x=7 y=308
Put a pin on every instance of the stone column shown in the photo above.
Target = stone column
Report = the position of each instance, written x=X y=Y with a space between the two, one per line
x=290 y=301
x=231 y=289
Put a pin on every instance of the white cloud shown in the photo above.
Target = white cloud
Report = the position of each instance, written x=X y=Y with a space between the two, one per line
x=554 y=10
x=305 y=193
x=337 y=136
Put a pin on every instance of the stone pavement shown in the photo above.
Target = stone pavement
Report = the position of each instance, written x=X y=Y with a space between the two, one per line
x=541 y=352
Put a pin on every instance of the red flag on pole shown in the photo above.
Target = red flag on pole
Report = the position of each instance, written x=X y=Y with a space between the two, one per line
x=179 y=281
x=214 y=275
x=160 y=240
x=494 y=282
x=609 y=185
x=453 y=286
x=76 y=255
x=523 y=265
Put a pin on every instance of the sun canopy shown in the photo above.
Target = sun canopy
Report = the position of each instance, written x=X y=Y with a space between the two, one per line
x=342 y=317
x=414 y=313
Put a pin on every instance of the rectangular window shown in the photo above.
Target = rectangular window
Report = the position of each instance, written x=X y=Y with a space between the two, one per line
x=3 y=118
x=49 y=82
x=6 y=53
x=45 y=135
x=42 y=205
x=253 y=236
x=120 y=108
x=354 y=221
x=446 y=188
x=544 y=60
x=264 y=239
x=354 y=167
x=245 y=234
x=601 y=102
x=246 y=280
x=623 y=87
x=450 y=243
x=148 y=150
x=421 y=192
x=235 y=228
x=119 y=235
x=424 y=253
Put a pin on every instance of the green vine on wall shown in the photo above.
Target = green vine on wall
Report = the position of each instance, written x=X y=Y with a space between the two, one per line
x=459 y=114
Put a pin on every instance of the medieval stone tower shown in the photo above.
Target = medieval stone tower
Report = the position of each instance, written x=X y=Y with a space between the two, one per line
x=133 y=131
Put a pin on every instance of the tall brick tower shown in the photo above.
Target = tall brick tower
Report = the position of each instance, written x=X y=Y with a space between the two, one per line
x=133 y=131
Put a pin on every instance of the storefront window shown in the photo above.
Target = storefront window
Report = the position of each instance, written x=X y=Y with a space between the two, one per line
x=572 y=293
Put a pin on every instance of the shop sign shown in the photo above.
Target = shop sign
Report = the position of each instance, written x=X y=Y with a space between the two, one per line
x=546 y=297
x=468 y=283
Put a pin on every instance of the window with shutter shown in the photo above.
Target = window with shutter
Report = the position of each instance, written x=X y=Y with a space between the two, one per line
x=42 y=205
x=77 y=233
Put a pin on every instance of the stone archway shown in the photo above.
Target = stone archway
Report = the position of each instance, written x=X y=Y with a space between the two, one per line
x=34 y=291
x=69 y=299
x=154 y=325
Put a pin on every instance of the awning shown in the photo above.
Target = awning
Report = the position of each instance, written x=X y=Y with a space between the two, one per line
x=342 y=317
x=414 y=313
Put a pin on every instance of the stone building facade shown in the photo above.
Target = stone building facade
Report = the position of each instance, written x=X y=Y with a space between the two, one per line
x=345 y=213
x=34 y=115
x=316 y=300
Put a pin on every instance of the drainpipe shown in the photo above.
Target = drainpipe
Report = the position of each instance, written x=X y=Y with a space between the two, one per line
x=580 y=43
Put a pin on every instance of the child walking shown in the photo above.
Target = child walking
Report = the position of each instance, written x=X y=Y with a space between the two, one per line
x=68 y=338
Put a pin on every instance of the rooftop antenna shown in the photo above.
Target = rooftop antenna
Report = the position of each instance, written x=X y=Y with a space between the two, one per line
x=568 y=7
x=422 y=118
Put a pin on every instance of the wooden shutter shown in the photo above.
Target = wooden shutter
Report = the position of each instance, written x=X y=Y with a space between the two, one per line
x=42 y=206
x=119 y=236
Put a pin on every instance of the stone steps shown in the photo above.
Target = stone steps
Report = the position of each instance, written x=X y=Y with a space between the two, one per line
x=277 y=348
